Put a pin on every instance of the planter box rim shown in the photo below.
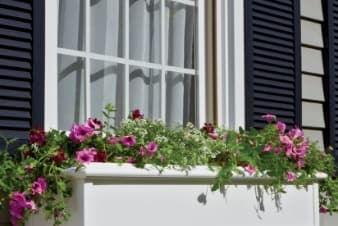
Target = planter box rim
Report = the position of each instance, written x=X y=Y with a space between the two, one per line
x=151 y=173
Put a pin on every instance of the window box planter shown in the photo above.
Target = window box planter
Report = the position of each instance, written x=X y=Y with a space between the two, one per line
x=112 y=194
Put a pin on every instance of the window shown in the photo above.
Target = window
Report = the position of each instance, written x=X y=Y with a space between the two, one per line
x=146 y=54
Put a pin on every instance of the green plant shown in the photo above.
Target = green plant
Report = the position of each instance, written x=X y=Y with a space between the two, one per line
x=32 y=179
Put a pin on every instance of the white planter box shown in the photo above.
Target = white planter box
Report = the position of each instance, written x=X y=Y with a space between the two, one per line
x=328 y=220
x=111 y=194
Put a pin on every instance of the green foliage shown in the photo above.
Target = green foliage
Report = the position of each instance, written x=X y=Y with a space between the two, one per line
x=254 y=152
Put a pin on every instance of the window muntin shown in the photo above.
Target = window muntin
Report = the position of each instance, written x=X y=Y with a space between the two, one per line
x=143 y=58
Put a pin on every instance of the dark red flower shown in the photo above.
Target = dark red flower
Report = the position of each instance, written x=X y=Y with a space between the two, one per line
x=59 y=157
x=208 y=128
x=101 y=156
x=37 y=136
x=136 y=114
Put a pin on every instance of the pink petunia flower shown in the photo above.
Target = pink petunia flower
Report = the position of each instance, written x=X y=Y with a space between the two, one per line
x=284 y=139
x=131 y=160
x=225 y=137
x=250 y=169
x=281 y=127
x=151 y=148
x=86 y=155
x=142 y=151
x=268 y=148
x=94 y=123
x=79 y=133
x=296 y=133
x=278 y=150
x=128 y=141
x=291 y=176
x=112 y=140
x=269 y=117
x=39 y=186
x=31 y=205
x=213 y=136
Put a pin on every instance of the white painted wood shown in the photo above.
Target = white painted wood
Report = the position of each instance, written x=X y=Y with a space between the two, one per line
x=312 y=9
x=312 y=88
x=230 y=63
x=51 y=17
x=124 y=195
x=312 y=61
x=311 y=33
x=328 y=220
x=312 y=114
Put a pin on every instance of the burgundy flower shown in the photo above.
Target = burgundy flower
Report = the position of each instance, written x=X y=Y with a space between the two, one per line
x=37 y=136
x=94 y=123
x=208 y=128
x=136 y=114
x=101 y=156
x=59 y=157
x=323 y=209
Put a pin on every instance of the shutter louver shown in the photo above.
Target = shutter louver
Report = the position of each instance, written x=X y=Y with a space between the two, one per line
x=272 y=68
x=21 y=66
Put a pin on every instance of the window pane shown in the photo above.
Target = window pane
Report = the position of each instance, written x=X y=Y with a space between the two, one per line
x=180 y=98
x=144 y=91
x=145 y=30
x=106 y=86
x=71 y=33
x=107 y=27
x=180 y=34
x=71 y=91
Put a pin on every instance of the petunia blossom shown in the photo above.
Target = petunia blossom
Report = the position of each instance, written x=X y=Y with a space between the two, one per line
x=79 y=133
x=291 y=176
x=112 y=140
x=323 y=209
x=86 y=155
x=39 y=186
x=268 y=148
x=37 y=136
x=281 y=127
x=101 y=156
x=269 y=117
x=59 y=157
x=151 y=148
x=250 y=169
x=136 y=114
x=128 y=141
x=94 y=123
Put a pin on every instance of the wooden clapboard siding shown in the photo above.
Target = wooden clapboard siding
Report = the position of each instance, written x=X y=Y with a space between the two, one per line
x=272 y=54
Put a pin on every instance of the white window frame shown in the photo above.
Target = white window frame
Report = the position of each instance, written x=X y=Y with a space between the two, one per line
x=230 y=63
x=230 y=32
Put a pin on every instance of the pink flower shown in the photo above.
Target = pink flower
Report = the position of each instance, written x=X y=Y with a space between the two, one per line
x=250 y=169
x=213 y=136
x=323 y=209
x=31 y=205
x=113 y=140
x=17 y=205
x=128 y=141
x=37 y=136
x=225 y=137
x=291 y=176
x=268 y=148
x=285 y=139
x=281 y=126
x=296 y=133
x=278 y=150
x=142 y=151
x=290 y=150
x=79 y=133
x=208 y=128
x=131 y=160
x=39 y=186
x=300 y=163
x=151 y=148
x=136 y=114
x=269 y=117
x=86 y=155
x=94 y=123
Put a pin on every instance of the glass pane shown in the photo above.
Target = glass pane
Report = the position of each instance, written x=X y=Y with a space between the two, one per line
x=71 y=91
x=145 y=30
x=107 y=27
x=180 y=34
x=144 y=91
x=106 y=86
x=180 y=98
x=71 y=27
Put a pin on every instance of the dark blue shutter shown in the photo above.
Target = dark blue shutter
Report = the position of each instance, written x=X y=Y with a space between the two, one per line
x=21 y=66
x=331 y=73
x=272 y=61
